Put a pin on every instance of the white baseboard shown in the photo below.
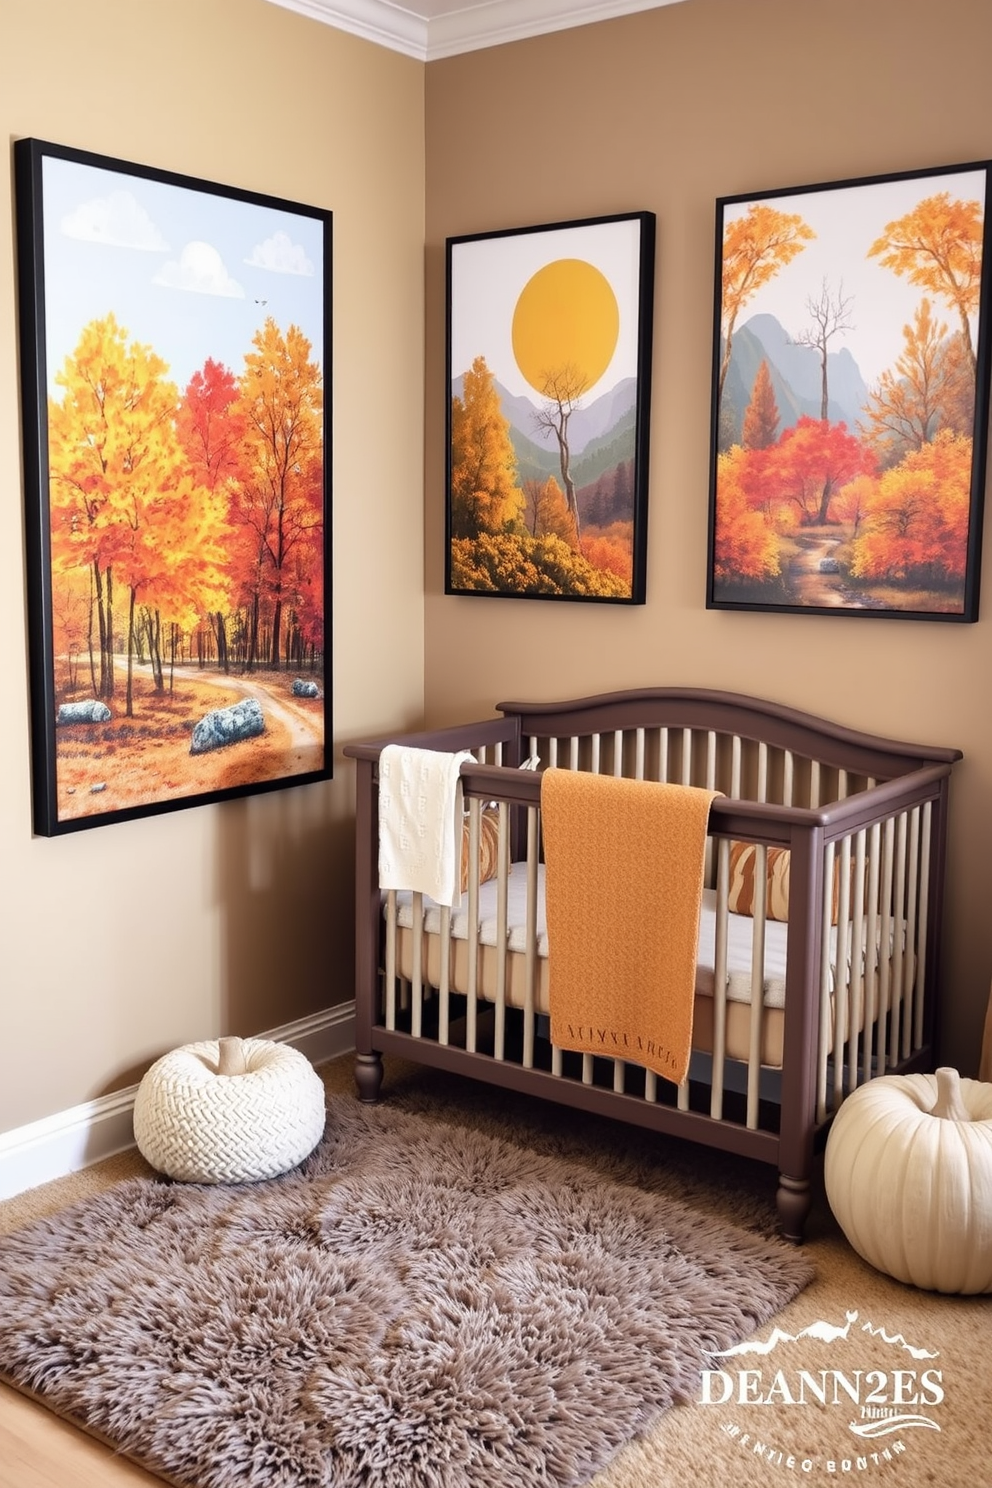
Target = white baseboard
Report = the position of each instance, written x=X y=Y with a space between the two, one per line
x=70 y=1140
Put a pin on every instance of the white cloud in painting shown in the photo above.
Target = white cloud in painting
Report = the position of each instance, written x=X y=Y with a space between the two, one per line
x=117 y=220
x=281 y=255
x=201 y=270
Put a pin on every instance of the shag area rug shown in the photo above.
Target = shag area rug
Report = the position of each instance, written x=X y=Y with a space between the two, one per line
x=422 y=1304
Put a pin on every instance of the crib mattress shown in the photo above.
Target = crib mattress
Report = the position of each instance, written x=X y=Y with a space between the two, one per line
x=740 y=937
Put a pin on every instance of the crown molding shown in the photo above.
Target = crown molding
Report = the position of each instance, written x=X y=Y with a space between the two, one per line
x=470 y=28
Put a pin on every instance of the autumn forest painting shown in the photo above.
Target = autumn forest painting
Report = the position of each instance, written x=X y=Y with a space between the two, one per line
x=851 y=397
x=173 y=338
x=548 y=370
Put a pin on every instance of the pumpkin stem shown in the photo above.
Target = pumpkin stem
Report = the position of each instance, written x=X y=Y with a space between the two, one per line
x=949 y=1104
x=231 y=1057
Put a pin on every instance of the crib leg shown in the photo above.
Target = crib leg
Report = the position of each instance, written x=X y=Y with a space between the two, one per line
x=368 y=1076
x=794 y=1200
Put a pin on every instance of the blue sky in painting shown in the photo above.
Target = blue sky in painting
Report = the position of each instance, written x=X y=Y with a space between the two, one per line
x=187 y=271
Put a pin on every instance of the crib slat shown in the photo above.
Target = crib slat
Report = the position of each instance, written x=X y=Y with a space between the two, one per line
x=417 y=979
x=719 y=1051
x=618 y=753
x=531 y=963
x=872 y=969
x=391 y=959
x=639 y=754
x=841 y=1009
x=595 y=742
x=502 y=930
x=921 y=934
x=898 y=906
x=444 y=991
x=687 y=735
x=757 y=986
x=761 y=793
x=826 y=979
x=735 y=766
x=909 y=962
x=663 y=755
x=788 y=777
x=858 y=1030
x=884 y=960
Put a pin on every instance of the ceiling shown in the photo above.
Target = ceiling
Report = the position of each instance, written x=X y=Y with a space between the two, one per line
x=428 y=29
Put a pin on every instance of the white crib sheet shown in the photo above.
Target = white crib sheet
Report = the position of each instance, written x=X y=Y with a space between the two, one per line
x=739 y=947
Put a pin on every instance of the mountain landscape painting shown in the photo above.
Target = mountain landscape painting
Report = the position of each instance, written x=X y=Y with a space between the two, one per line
x=548 y=362
x=850 y=400
x=173 y=344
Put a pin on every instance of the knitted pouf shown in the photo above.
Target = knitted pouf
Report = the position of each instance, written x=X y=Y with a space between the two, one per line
x=229 y=1111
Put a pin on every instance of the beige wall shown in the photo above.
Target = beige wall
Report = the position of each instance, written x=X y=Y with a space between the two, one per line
x=119 y=942
x=665 y=111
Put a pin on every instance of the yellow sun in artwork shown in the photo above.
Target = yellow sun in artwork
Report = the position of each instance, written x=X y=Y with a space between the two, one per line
x=566 y=319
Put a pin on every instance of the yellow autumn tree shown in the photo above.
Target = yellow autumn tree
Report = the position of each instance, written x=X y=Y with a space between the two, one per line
x=546 y=513
x=924 y=392
x=484 y=494
x=278 y=495
x=755 y=248
x=107 y=442
x=938 y=246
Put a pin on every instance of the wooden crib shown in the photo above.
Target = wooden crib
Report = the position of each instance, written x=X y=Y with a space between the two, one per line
x=807 y=984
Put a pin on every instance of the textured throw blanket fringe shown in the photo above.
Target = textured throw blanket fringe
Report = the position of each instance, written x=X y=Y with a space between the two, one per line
x=420 y=821
x=624 y=866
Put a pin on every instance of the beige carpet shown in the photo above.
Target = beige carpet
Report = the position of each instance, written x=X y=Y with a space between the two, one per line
x=790 y=1435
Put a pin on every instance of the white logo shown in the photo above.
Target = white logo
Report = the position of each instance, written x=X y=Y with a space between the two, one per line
x=879 y=1402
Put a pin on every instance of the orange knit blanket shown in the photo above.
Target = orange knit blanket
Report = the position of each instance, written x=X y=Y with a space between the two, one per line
x=623 y=886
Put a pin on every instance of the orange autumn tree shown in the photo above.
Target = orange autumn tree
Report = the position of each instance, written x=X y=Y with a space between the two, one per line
x=938 y=246
x=916 y=527
x=755 y=248
x=745 y=544
x=123 y=502
x=277 y=497
x=761 y=415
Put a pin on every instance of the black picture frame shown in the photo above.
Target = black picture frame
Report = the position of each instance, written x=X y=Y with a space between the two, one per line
x=549 y=333
x=178 y=536
x=850 y=397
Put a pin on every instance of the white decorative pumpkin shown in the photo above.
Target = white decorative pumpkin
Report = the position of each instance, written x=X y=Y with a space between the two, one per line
x=908 y=1173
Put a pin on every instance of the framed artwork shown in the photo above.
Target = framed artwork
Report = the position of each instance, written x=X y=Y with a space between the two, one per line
x=851 y=397
x=174 y=340
x=548 y=394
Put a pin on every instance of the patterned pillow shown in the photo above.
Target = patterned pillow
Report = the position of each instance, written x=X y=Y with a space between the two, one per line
x=488 y=846
x=743 y=861
x=743 y=865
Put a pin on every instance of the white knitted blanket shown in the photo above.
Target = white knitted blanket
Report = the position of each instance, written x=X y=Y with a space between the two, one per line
x=420 y=821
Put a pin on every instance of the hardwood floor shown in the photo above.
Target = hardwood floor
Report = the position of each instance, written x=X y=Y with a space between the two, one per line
x=38 y=1450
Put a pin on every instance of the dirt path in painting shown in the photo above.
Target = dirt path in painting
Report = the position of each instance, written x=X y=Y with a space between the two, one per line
x=808 y=584
x=303 y=731
x=134 y=762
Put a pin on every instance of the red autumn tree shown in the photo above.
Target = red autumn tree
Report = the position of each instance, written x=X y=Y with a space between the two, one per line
x=810 y=463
